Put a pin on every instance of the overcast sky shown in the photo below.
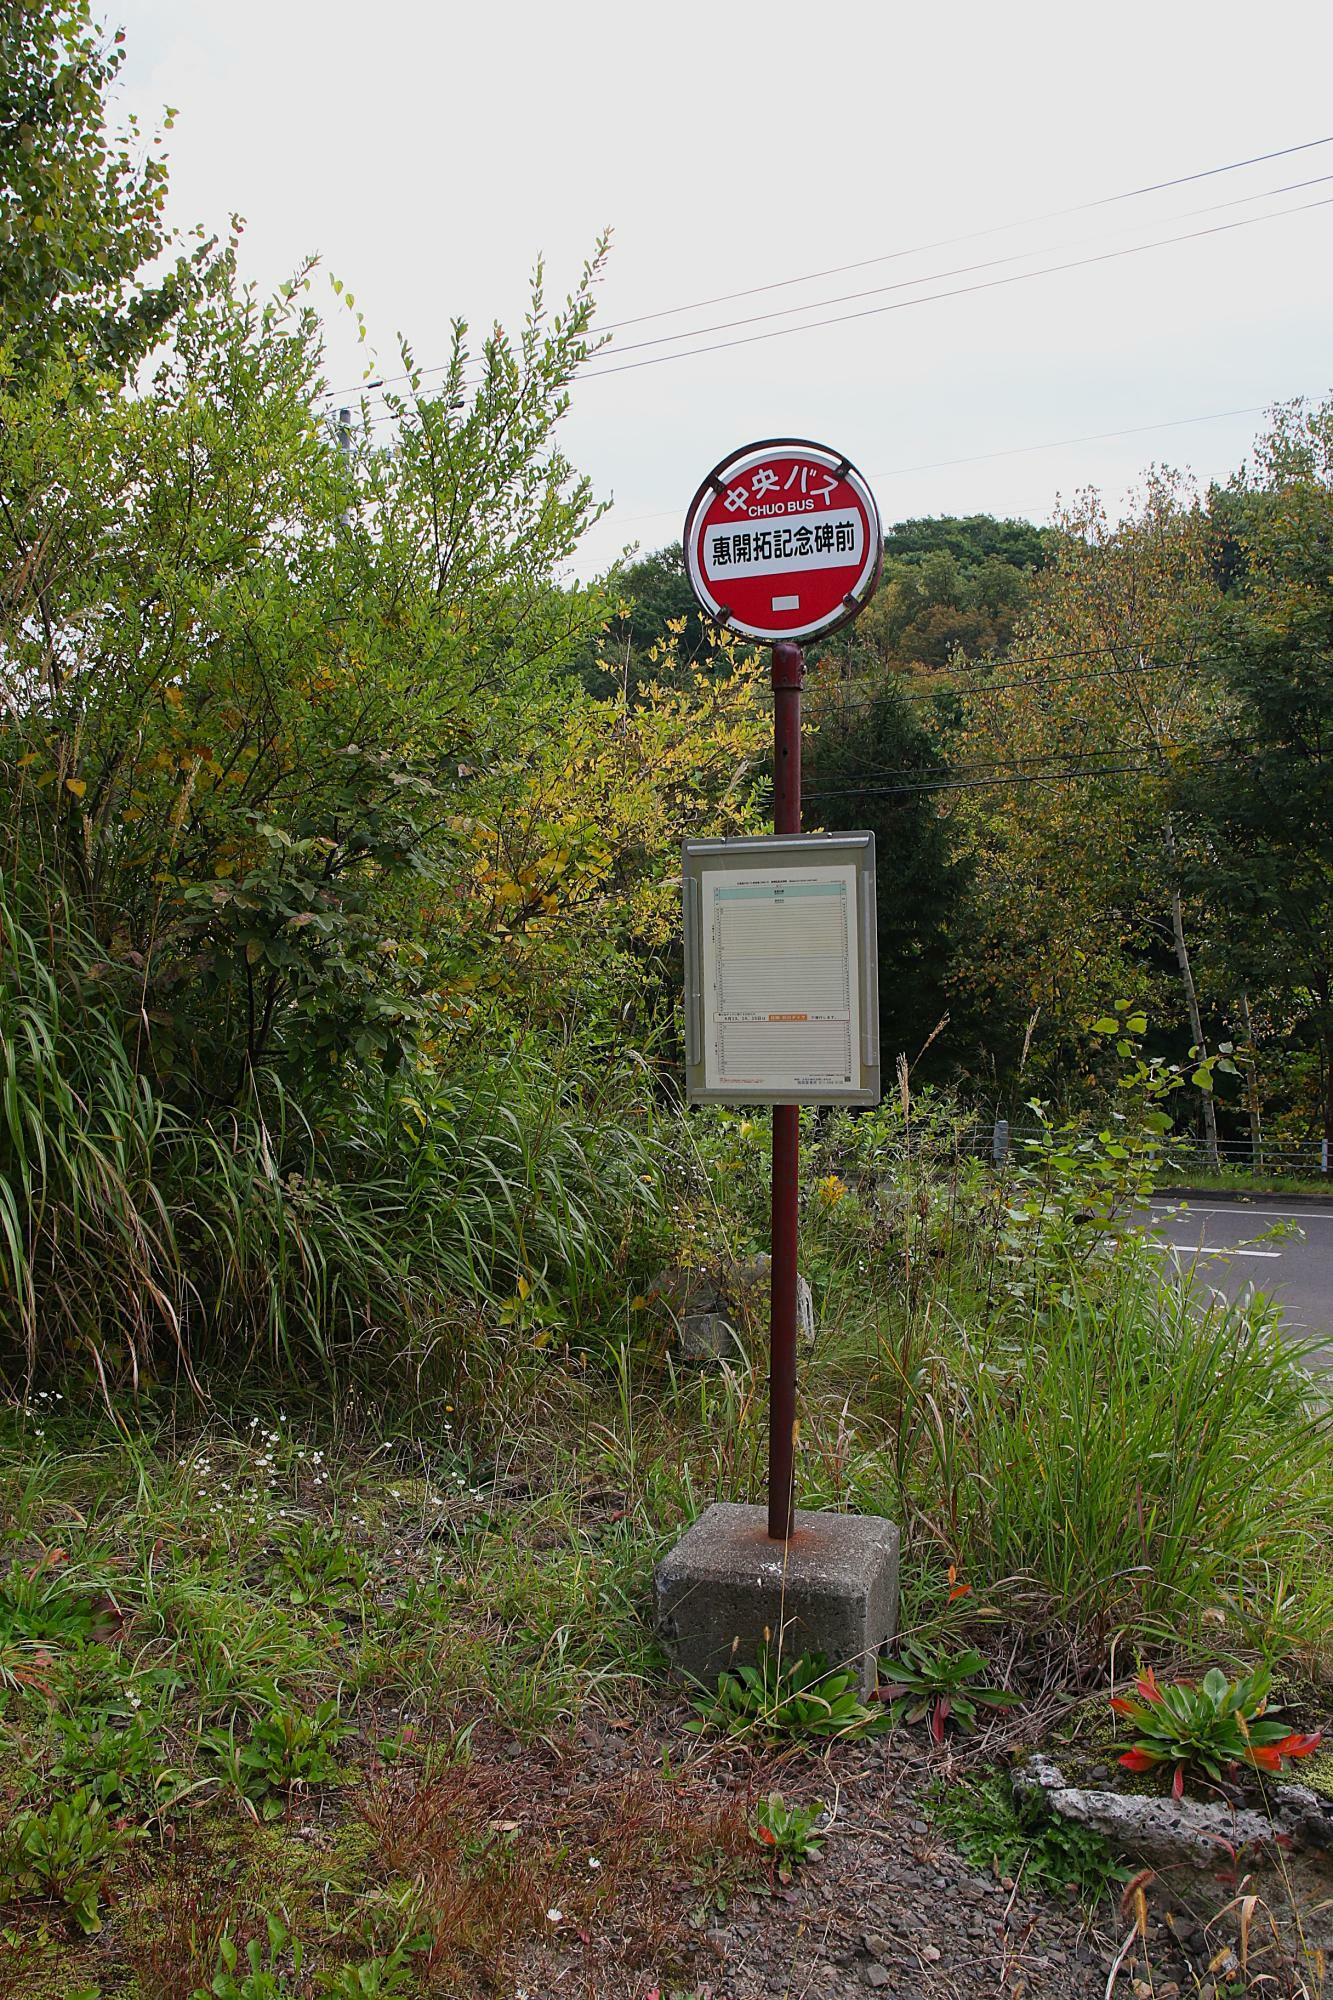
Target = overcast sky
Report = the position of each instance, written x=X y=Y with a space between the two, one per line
x=430 y=150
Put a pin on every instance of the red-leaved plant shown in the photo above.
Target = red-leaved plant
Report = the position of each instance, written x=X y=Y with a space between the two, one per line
x=1211 y=1725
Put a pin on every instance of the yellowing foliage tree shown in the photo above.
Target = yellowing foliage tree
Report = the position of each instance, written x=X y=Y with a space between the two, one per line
x=1075 y=750
x=571 y=892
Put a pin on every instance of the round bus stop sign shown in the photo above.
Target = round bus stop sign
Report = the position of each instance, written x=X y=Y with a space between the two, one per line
x=782 y=540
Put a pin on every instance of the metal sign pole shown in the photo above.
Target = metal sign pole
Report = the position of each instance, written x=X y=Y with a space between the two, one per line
x=788 y=669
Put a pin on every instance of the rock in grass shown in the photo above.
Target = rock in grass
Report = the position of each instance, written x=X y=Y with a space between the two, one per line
x=1168 y=1832
x=706 y=1338
x=708 y=1305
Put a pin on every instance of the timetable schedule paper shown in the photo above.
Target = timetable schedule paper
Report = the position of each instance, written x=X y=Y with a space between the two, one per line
x=780 y=978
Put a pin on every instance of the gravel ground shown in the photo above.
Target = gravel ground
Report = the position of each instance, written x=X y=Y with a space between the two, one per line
x=889 y=1908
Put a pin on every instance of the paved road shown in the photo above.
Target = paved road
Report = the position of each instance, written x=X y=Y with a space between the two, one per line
x=1286 y=1251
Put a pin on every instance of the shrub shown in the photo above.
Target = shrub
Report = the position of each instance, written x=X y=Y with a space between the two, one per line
x=64 y=1853
x=788 y=1833
x=1017 y=1837
x=285 y=1750
x=940 y=1683
x=1126 y=1450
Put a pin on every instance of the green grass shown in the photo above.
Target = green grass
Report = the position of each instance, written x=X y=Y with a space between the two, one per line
x=295 y=1653
x=1236 y=1181
x=980 y=1816
x=232 y=1646
x=358 y=1230
x=318 y=1642
x=1131 y=1457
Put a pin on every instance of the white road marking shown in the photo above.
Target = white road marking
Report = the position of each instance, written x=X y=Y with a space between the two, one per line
x=1278 y=1214
x=1222 y=1250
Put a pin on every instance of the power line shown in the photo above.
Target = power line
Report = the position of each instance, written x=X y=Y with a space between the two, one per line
x=960 y=270
x=1046 y=777
x=858 y=782
x=890 y=256
x=927 y=298
x=902 y=284
x=1034 y=660
x=985 y=784
x=983 y=687
x=969 y=236
x=958 y=291
x=934 y=298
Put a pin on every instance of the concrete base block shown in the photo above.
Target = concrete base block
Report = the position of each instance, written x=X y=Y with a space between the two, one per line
x=831 y=1589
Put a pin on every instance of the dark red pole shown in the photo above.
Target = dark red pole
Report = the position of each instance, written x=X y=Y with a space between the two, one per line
x=788 y=669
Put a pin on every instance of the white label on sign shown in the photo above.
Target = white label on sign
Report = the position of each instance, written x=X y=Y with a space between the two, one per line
x=781 y=988
x=796 y=543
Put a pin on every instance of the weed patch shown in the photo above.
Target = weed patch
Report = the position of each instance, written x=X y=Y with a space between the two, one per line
x=994 y=1831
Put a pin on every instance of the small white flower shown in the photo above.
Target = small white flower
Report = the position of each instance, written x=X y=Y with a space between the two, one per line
x=555 y=1916
x=593 y=1862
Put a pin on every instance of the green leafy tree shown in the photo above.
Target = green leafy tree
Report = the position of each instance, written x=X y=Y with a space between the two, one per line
x=81 y=206
x=951 y=586
x=256 y=681
x=654 y=597
x=1083 y=865
x=1263 y=802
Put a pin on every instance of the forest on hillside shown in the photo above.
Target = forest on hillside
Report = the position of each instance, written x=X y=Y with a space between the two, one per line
x=1096 y=759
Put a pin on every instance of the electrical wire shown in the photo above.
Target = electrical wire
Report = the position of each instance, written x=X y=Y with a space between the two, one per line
x=926 y=298
x=859 y=781
x=890 y=256
x=967 y=689
x=959 y=291
x=958 y=270
x=970 y=236
x=1046 y=777
x=910 y=284
x=987 y=784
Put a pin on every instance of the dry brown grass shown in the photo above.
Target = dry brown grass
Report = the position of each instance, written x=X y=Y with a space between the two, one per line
x=493 y=1849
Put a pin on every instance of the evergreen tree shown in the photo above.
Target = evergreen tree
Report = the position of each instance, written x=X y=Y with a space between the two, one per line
x=877 y=768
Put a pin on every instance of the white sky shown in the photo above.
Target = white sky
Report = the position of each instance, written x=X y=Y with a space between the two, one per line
x=429 y=150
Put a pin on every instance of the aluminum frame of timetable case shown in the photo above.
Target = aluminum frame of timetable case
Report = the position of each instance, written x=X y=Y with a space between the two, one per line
x=702 y=857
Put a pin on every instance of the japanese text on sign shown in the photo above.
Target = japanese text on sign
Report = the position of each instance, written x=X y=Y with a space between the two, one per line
x=782 y=540
x=834 y=540
x=802 y=490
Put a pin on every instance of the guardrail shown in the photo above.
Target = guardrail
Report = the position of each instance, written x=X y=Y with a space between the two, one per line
x=1181 y=1150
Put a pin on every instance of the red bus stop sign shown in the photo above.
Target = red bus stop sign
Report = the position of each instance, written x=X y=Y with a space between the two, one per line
x=782 y=541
